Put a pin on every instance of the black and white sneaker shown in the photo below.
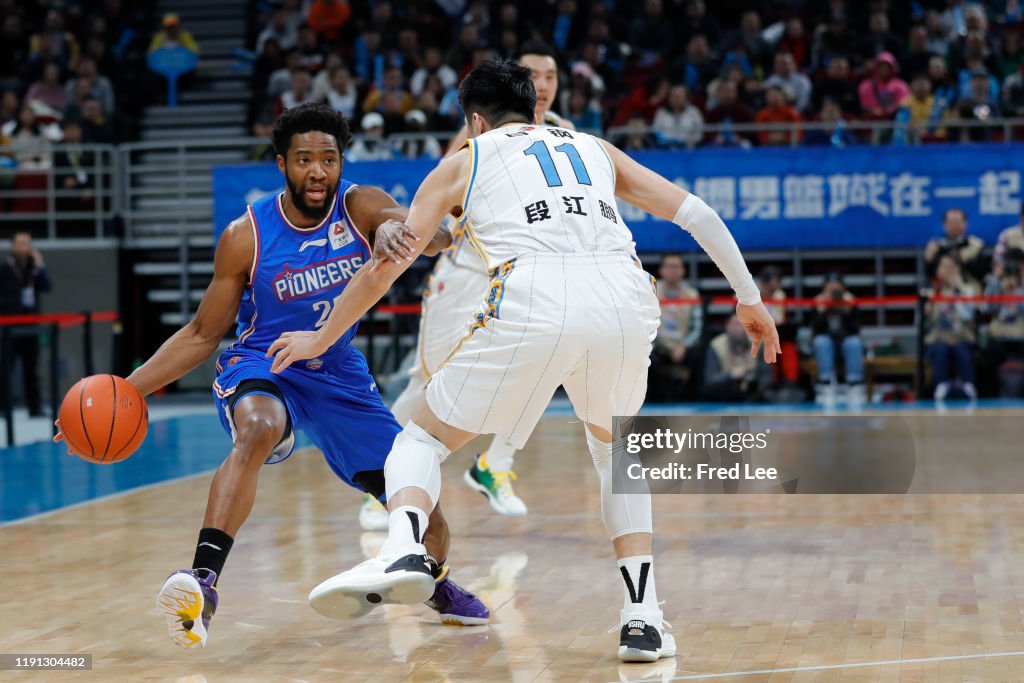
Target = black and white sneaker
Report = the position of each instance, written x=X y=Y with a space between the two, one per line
x=378 y=581
x=644 y=639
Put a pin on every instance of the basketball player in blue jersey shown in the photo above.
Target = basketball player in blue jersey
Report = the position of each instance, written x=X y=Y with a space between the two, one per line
x=279 y=267
x=569 y=305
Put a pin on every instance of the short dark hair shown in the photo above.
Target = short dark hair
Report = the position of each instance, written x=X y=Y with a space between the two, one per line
x=535 y=47
x=957 y=209
x=307 y=118
x=769 y=273
x=498 y=90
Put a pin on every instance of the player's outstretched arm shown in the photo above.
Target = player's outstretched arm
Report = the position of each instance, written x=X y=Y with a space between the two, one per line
x=193 y=343
x=435 y=197
x=647 y=190
x=371 y=208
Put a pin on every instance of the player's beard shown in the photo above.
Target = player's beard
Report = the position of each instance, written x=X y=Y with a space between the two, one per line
x=298 y=197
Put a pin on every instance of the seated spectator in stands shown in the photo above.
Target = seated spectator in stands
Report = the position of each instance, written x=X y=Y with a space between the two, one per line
x=974 y=55
x=281 y=79
x=882 y=93
x=301 y=92
x=96 y=126
x=48 y=92
x=651 y=32
x=427 y=103
x=433 y=65
x=285 y=33
x=938 y=33
x=588 y=80
x=981 y=106
x=10 y=105
x=328 y=18
x=836 y=325
x=678 y=121
x=795 y=42
x=171 y=34
x=583 y=113
x=393 y=83
x=73 y=169
x=968 y=249
x=786 y=75
x=1005 y=352
x=696 y=21
x=264 y=149
x=311 y=51
x=13 y=50
x=100 y=86
x=1011 y=238
x=750 y=37
x=879 y=39
x=838 y=86
x=638 y=135
x=27 y=142
x=371 y=145
x=342 y=95
x=699 y=67
x=731 y=374
x=920 y=106
x=735 y=74
x=676 y=346
x=322 y=79
x=837 y=39
x=918 y=56
x=834 y=131
x=728 y=110
x=54 y=43
x=951 y=335
x=1011 y=58
x=1013 y=94
x=777 y=110
x=643 y=101
x=423 y=147
x=769 y=282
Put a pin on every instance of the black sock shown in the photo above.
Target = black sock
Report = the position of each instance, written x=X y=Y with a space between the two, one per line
x=212 y=550
x=437 y=568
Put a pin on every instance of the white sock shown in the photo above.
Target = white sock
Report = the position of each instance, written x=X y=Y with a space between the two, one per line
x=499 y=454
x=638 y=583
x=407 y=527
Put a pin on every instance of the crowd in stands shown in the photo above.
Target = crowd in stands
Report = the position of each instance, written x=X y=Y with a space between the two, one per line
x=667 y=68
x=971 y=345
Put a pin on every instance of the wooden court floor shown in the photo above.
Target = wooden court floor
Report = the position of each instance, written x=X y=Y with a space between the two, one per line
x=763 y=589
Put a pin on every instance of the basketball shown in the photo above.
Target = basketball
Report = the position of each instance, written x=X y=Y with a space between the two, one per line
x=104 y=419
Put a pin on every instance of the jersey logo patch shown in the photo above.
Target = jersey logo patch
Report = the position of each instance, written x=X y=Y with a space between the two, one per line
x=340 y=235
x=322 y=242
x=314 y=364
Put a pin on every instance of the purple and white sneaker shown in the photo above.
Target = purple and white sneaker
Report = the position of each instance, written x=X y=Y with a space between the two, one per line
x=456 y=605
x=188 y=600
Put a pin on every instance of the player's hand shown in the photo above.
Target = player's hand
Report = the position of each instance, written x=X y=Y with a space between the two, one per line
x=59 y=436
x=294 y=346
x=393 y=242
x=760 y=327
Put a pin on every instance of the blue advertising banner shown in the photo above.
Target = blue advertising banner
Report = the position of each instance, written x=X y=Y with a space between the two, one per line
x=808 y=197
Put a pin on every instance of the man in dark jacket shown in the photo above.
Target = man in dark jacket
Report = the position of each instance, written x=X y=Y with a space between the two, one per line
x=23 y=278
x=836 y=324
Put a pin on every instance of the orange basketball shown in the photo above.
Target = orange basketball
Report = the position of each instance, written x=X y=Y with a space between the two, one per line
x=104 y=419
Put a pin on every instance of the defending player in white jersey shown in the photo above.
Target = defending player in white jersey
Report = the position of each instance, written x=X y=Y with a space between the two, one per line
x=454 y=289
x=568 y=305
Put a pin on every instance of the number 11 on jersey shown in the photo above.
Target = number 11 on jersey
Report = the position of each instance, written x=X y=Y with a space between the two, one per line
x=539 y=150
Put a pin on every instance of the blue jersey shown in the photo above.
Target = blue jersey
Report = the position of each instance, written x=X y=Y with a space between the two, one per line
x=298 y=272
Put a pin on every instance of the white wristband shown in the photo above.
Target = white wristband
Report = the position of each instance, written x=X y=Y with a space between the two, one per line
x=701 y=221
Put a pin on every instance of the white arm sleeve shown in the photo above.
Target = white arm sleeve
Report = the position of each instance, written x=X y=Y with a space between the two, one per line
x=701 y=221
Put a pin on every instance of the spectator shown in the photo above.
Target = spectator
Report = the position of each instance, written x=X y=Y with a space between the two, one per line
x=643 y=101
x=968 y=249
x=769 y=282
x=423 y=147
x=920 y=106
x=1011 y=60
x=651 y=32
x=370 y=146
x=322 y=80
x=311 y=52
x=281 y=79
x=23 y=278
x=638 y=136
x=1010 y=239
x=280 y=30
x=73 y=169
x=834 y=131
x=342 y=95
x=835 y=41
x=172 y=35
x=883 y=92
x=728 y=110
x=588 y=80
x=301 y=92
x=1005 y=352
x=981 y=106
x=1013 y=94
x=794 y=41
x=54 y=43
x=583 y=114
x=951 y=334
x=749 y=36
x=14 y=48
x=392 y=84
x=677 y=120
x=96 y=127
x=676 y=346
x=27 y=142
x=836 y=325
x=785 y=75
x=838 y=86
x=731 y=374
x=328 y=18
x=778 y=111
x=433 y=64
x=100 y=86
x=938 y=34
x=10 y=105
x=879 y=39
x=918 y=56
x=264 y=149
x=697 y=22
x=48 y=92
x=699 y=68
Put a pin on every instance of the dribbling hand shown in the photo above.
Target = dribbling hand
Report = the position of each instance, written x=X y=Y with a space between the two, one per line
x=294 y=346
x=393 y=242
x=760 y=327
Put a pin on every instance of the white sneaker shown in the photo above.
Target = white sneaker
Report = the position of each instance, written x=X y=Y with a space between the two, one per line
x=354 y=593
x=970 y=390
x=644 y=638
x=941 y=391
x=855 y=394
x=372 y=515
x=825 y=394
x=496 y=487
